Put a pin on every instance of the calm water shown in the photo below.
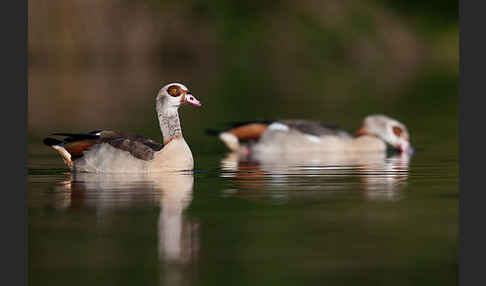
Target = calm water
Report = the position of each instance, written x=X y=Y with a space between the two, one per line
x=280 y=221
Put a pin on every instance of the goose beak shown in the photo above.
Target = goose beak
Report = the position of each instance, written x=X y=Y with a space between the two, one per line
x=188 y=98
x=407 y=148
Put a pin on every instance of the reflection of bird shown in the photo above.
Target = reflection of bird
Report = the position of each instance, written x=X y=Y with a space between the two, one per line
x=380 y=177
x=303 y=135
x=110 y=151
x=171 y=191
x=383 y=181
x=178 y=236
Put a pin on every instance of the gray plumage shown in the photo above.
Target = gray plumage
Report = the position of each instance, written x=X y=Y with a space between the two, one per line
x=138 y=146
x=315 y=128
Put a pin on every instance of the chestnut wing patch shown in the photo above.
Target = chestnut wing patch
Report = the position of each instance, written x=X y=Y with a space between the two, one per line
x=248 y=132
x=76 y=148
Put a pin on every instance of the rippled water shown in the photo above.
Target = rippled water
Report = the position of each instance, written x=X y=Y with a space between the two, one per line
x=287 y=220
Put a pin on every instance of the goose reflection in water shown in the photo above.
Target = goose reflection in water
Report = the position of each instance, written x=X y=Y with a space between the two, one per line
x=178 y=235
x=378 y=176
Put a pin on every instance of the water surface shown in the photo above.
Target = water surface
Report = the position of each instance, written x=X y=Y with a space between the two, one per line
x=367 y=220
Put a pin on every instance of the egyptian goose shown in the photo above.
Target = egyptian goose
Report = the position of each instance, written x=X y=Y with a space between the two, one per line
x=110 y=151
x=376 y=132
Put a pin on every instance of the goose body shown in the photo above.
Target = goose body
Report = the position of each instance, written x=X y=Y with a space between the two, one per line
x=294 y=136
x=108 y=151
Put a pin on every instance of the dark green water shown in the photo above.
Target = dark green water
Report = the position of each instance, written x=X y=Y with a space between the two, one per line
x=390 y=221
x=374 y=221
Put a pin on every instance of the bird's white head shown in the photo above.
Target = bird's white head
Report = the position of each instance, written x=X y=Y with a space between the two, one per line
x=393 y=132
x=173 y=95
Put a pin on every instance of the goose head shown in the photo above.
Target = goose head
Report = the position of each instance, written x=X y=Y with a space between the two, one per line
x=173 y=95
x=391 y=131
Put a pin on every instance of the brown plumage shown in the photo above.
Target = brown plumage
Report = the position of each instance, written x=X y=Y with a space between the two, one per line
x=251 y=131
x=77 y=148
x=75 y=144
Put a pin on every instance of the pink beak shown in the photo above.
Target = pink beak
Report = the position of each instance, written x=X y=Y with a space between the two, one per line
x=190 y=99
x=407 y=148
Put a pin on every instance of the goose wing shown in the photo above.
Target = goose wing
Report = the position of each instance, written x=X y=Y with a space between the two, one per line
x=315 y=128
x=76 y=143
x=253 y=130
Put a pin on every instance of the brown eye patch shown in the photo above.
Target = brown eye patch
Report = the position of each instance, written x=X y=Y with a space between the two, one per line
x=174 y=90
x=397 y=130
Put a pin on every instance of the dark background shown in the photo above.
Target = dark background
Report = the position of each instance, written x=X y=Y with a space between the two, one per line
x=99 y=64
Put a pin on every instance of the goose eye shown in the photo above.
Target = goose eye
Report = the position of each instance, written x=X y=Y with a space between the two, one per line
x=397 y=131
x=174 y=90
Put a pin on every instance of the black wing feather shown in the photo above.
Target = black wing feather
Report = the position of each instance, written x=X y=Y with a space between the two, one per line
x=72 y=137
x=234 y=124
x=138 y=146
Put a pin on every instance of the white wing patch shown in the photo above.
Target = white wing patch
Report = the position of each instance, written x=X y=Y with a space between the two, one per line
x=312 y=138
x=230 y=140
x=278 y=126
x=64 y=154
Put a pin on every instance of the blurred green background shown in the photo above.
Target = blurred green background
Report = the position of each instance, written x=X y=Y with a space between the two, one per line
x=99 y=64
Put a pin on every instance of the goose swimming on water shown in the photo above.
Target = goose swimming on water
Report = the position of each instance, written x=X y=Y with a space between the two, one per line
x=376 y=133
x=111 y=151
